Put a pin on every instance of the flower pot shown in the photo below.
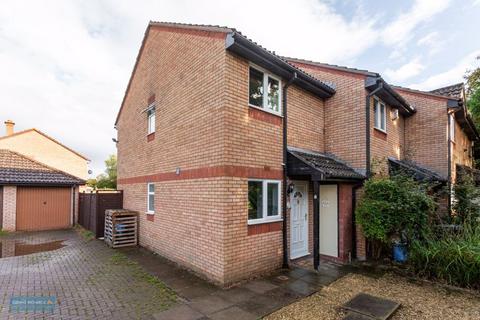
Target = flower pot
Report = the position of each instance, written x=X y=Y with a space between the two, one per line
x=399 y=252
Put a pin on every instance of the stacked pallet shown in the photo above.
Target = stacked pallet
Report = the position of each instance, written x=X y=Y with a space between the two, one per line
x=121 y=228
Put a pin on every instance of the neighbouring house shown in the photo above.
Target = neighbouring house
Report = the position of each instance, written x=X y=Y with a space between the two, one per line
x=37 y=145
x=34 y=196
x=429 y=141
x=240 y=161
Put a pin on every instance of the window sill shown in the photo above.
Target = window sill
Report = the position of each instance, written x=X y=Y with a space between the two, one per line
x=150 y=136
x=254 y=222
x=150 y=212
x=380 y=130
x=278 y=114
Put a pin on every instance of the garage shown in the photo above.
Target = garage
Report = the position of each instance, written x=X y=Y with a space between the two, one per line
x=35 y=197
x=43 y=208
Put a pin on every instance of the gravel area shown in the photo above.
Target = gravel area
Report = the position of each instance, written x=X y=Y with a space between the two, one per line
x=418 y=300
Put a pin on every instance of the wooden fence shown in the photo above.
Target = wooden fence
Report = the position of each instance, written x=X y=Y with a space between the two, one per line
x=92 y=206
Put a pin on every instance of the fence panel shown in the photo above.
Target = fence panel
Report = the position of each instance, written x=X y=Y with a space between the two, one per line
x=92 y=208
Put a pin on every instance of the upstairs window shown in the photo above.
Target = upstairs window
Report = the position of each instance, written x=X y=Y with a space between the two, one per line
x=380 y=115
x=150 y=198
x=151 y=119
x=263 y=200
x=264 y=91
x=452 y=128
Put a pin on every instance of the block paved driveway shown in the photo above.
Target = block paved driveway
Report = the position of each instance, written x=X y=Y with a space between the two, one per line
x=92 y=281
x=89 y=280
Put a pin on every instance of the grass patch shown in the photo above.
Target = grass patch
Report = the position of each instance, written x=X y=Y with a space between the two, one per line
x=139 y=274
x=162 y=294
x=86 y=234
x=3 y=233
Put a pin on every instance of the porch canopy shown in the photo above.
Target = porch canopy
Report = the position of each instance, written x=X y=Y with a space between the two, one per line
x=315 y=166
x=414 y=170
x=320 y=168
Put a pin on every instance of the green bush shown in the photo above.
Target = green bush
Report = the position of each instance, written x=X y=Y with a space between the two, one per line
x=393 y=206
x=451 y=257
x=466 y=203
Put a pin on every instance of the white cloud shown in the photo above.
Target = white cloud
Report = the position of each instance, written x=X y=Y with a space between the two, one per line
x=432 y=42
x=65 y=64
x=406 y=71
x=451 y=76
x=401 y=29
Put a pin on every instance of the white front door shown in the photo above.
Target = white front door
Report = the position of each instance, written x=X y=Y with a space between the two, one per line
x=299 y=220
x=329 y=220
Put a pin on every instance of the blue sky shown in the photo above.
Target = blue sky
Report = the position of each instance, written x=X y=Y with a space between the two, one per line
x=65 y=64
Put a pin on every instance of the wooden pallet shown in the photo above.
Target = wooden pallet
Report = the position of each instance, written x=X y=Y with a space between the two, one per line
x=121 y=228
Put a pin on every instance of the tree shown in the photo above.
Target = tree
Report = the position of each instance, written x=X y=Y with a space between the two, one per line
x=108 y=180
x=392 y=208
x=92 y=183
x=473 y=102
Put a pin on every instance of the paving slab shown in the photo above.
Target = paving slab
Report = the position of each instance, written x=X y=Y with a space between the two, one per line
x=260 y=286
x=210 y=304
x=233 y=313
x=375 y=307
x=180 y=312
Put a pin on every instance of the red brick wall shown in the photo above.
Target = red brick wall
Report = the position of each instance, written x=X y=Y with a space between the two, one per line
x=461 y=150
x=389 y=144
x=426 y=131
x=344 y=114
x=185 y=72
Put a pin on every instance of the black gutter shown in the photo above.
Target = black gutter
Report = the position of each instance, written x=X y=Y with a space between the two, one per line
x=389 y=95
x=285 y=188
x=239 y=44
x=367 y=128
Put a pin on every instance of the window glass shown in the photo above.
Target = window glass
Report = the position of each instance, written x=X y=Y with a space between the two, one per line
x=382 y=116
x=272 y=199
x=151 y=120
x=273 y=95
x=256 y=88
x=375 y=113
x=151 y=197
x=255 y=200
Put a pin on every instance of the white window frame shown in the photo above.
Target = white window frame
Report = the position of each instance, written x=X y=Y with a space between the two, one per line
x=265 y=218
x=266 y=75
x=377 y=115
x=151 y=119
x=149 y=193
x=452 y=127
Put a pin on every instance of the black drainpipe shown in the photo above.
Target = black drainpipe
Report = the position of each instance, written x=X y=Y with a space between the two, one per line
x=449 y=159
x=285 y=188
x=367 y=127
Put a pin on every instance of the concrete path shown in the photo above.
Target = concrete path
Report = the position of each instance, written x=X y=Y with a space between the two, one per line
x=91 y=281
x=251 y=300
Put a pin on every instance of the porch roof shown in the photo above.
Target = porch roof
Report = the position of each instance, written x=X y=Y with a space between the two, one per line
x=319 y=166
x=414 y=170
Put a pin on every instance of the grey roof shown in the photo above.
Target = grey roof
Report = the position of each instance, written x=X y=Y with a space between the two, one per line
x=326 y=165
x=454 y=91
x=414 y=170
x=472 y=172
x=332 y=66
x=225 y=29
x=17 y=169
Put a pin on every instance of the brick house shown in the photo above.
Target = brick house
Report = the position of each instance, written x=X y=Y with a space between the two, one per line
x=439 y=118
x=38 y=203
x=34 y=196
x=209 y=119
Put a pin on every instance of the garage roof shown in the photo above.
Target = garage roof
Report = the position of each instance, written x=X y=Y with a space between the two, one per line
x=17 y=169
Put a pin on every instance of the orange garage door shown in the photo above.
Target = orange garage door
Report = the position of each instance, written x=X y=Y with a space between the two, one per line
x=43 y=208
